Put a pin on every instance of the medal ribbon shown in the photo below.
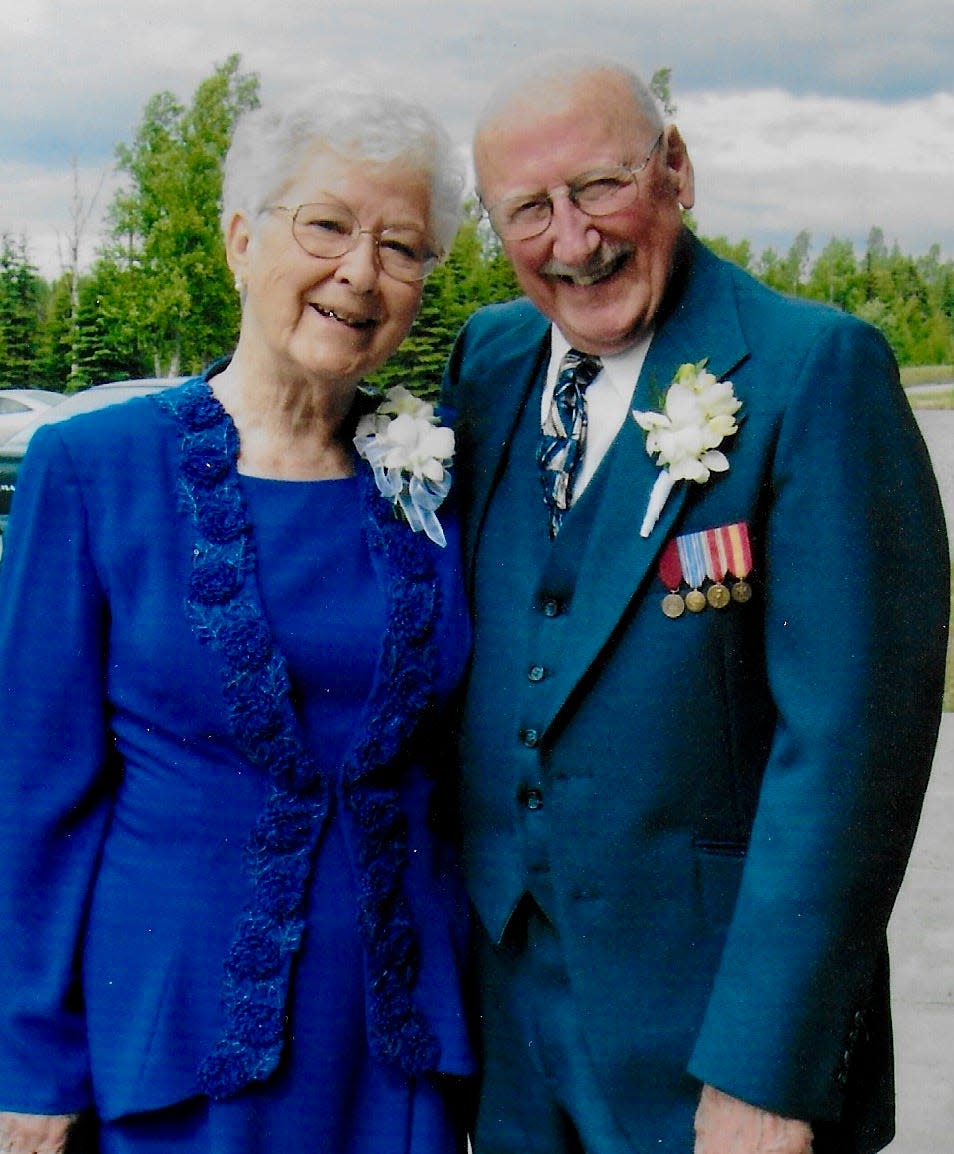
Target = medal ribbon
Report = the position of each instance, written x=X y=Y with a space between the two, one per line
x=692 y=555
x=716 y=558
x=670 y=567
x=735 y=541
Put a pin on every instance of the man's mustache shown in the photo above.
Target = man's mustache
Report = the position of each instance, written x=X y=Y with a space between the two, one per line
x=598 y=266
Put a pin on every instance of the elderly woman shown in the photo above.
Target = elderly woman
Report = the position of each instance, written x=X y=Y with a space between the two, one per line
x=230 y=614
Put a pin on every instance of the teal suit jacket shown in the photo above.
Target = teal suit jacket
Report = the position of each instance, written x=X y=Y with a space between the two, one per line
x=730 y=798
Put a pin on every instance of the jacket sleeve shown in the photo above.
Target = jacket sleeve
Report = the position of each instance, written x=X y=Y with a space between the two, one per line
x=856 y=596
x=54 y=781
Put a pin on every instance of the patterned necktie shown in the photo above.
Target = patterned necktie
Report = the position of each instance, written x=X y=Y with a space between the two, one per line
x=564 y=434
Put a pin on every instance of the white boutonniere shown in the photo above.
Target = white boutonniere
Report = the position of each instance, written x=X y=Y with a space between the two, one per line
x=698 y=414
x=410 y=453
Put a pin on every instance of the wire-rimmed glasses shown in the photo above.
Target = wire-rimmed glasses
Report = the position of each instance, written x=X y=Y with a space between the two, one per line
x=331 y=230
x=599 y=192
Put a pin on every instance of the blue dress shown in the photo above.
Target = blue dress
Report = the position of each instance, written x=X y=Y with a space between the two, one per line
x=273 y=946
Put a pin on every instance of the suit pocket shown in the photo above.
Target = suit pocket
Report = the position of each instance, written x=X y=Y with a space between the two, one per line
x=719 y=866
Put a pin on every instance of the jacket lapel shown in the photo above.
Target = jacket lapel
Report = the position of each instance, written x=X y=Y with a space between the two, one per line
x=616 y=564
x=516 y=366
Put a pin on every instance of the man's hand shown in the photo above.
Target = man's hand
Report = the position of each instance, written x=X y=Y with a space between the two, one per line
x=34 y=1133
x=725 y=1125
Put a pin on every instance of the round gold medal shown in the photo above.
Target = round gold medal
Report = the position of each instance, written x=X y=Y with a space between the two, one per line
x=673 y=606
x=696 y=601
x=718 y=596
x=741 y=592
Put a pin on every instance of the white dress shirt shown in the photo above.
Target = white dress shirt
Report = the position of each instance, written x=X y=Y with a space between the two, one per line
x=608 y=399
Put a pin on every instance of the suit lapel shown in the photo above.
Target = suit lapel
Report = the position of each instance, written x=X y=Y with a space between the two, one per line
x=615 y=564
x=516 y=366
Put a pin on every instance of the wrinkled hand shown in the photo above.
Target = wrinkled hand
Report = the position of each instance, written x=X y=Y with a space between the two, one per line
x=34 y=1133
x=725 y=1125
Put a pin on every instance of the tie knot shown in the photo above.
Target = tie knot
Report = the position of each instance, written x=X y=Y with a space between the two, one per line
x=578 y=369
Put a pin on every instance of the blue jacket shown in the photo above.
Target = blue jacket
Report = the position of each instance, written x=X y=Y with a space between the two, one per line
x=725 y=801
x=127 y=801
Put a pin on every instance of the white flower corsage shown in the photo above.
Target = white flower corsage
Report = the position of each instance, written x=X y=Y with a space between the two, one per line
x=410 y=454
x=698 y=414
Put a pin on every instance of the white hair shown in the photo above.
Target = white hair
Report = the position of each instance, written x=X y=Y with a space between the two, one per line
x=271 y=143
x=535 y=81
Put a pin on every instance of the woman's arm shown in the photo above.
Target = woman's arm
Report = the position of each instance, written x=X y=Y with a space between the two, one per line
x=54 y=784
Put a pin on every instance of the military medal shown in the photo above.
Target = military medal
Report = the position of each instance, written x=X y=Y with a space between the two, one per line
x=670 y=573
x=703 y=561
x=693 y=561
x=739 y=549
x=717 y=562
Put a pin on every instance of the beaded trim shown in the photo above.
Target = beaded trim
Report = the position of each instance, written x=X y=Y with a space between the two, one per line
x=225 y=610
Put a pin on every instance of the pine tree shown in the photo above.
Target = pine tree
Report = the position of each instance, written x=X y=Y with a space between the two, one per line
x=22 y=296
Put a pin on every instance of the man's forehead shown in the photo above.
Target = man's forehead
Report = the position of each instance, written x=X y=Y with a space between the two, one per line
x=599 y=93
x=597 y=122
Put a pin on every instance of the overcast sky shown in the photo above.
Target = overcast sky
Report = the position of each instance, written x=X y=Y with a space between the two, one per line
x=827 y=115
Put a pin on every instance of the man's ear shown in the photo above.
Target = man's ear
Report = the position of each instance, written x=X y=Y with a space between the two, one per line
x=680 y=167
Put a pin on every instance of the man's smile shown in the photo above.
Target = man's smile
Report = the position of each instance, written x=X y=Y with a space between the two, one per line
x=605 y=263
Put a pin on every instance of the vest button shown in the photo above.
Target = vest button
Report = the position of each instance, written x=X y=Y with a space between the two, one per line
x=551 y=607
x=536 y=673
x=533 y=799
x=530 y=738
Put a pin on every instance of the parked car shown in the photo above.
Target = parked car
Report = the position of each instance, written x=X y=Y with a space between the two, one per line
x=19 y=407
x=97 y=397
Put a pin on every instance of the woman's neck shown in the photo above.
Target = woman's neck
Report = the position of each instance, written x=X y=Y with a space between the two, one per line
x=289 y=430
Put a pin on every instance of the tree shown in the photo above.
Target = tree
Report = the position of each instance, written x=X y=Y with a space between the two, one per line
x=787 y=273
x=739 y=252
x=23 y=293
x=66 y=327
x=111 y=337
x=835 y=277
x=659 y=86
x=165 y=223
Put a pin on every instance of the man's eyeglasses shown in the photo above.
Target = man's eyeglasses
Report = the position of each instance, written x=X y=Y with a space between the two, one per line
x=600 y=192
x=330 y=230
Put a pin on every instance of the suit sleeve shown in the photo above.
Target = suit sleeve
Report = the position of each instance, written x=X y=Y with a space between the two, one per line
x=856 y=597
x=54 y=801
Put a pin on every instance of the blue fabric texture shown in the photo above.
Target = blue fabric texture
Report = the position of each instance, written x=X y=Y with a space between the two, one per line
x=161 y=829
x=716 y=810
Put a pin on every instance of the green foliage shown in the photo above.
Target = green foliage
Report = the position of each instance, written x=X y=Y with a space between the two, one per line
x=739 y=253
x=112 y=333
x=22 y=297
x=911 y=300
x=159 y=298
x=166 y=258
x=54 y=346
x=660 y=87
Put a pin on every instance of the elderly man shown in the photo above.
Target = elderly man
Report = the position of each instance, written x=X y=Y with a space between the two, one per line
x=710 y=587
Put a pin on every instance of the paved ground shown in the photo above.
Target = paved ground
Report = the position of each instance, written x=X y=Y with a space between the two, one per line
x=937 y=425
x=922 y=929
x=922 y=941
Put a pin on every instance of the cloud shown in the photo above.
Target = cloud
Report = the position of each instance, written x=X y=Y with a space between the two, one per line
x=769 y=164
x=796 y=114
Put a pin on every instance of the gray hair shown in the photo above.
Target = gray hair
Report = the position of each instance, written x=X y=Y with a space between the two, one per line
x=535 y=80
x=271 y=143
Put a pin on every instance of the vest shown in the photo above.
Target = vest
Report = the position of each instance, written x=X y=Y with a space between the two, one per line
x=522 y=582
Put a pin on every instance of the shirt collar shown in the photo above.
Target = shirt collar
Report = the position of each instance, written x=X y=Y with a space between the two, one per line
x=620 y=370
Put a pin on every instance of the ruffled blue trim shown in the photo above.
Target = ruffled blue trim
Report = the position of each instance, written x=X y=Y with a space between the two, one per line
x=225 y=610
